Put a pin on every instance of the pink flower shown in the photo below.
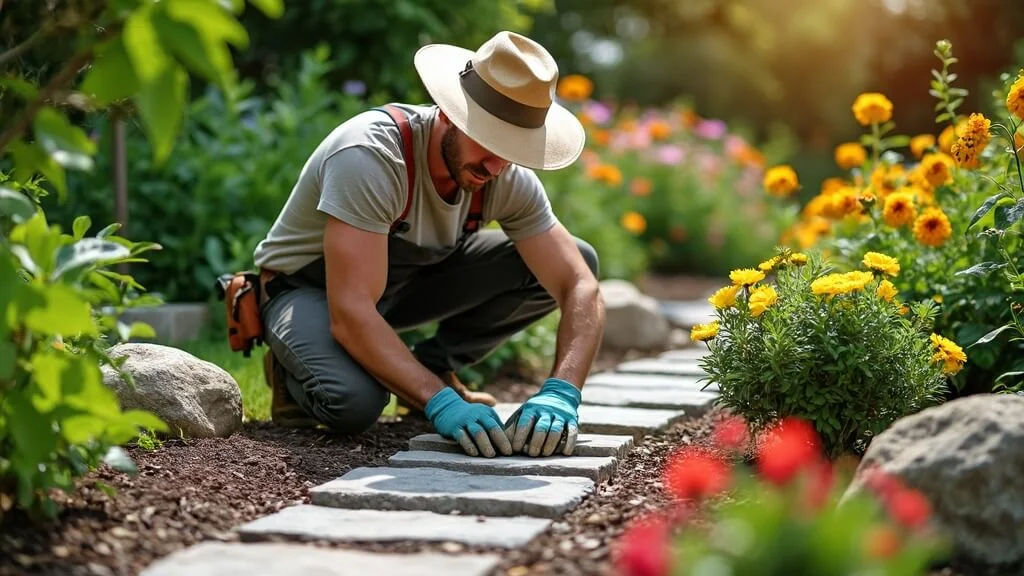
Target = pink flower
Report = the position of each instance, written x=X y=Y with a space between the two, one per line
x=711 y=129
x=598 y=112
x=671 y=154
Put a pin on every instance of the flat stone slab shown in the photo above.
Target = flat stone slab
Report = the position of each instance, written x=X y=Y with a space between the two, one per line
x=685 y=354
x=597 y=468
x=593 y=419
x=687 y=313
x=640 y=382
x=445 y=491
x=285 y=559
x=586 y=444
x=656 y=366
x=305 y=521
x=658 y=398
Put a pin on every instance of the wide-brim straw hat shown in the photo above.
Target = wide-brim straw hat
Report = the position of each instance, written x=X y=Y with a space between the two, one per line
x=503 y=97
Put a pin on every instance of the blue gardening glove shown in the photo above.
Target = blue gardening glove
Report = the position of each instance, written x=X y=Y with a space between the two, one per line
x=547 y=420
x=476 y=427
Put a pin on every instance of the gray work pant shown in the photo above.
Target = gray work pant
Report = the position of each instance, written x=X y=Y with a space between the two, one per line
x=480 y=293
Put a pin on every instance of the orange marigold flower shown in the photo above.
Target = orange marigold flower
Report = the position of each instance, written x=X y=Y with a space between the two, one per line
x=920 y=144
x=845 y=203
x=936 y=168
x=634 y=222
x=607 y=173
x=898 y=209
x=659 y=130
x=694 y=473
x=781 y=180
x=850 y=155
x=968 y=148
x=886 y=178
x=832 y=185
x=640 y=186
x=575 y=87
x=788 y=448
x=932 y=227
x=872 y=107
x=1015 y=97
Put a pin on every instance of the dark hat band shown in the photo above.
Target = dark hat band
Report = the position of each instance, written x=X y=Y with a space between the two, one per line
x=496 y=103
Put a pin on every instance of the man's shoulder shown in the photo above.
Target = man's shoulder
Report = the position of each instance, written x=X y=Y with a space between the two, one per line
x=373 y=127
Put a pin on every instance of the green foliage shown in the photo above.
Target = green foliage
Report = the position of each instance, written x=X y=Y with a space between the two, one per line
x=831 y=349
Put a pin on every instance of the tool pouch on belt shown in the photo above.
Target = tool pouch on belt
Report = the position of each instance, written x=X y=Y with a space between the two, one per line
x=241 y=295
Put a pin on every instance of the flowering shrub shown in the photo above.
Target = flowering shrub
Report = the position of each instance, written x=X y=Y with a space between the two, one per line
x=921 y=199
x=837 y=349
x=786 y=517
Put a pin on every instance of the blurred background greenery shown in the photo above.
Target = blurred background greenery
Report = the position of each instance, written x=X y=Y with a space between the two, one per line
x=687 y=102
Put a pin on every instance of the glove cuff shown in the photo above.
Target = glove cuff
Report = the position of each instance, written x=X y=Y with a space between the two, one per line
x=440 y=401
x=562 y=389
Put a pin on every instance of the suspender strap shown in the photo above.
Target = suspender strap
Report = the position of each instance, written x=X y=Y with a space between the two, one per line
x=400 y=118
x=476 y=212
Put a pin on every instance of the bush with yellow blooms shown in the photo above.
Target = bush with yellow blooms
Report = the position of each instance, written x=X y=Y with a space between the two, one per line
x=948 y=208
x=838 y=349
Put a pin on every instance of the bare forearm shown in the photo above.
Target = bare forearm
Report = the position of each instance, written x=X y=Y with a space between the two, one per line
x=380 y=351
x=579 y=333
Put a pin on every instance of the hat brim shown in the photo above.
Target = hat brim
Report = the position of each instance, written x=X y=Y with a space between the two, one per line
x=556 y=144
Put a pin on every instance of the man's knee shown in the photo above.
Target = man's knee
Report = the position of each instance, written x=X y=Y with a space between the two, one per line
x=350 y=407
x=589 y=255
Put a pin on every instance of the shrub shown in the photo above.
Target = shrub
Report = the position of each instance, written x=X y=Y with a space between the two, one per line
x=917 y=199
x=837 y=349
x=787 y=517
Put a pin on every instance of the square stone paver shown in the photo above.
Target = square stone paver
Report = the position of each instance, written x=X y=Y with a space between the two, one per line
x=693 y=402
x=597 y=468
x=594 y=419
x=691 y=354
x=444 y=491
x=656 y=366
x=649 y=382
x=586 y=444
x=687 y=313
x=341 y=525
x=286 y=559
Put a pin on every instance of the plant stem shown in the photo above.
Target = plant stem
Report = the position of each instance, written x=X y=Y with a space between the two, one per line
x=27 y=45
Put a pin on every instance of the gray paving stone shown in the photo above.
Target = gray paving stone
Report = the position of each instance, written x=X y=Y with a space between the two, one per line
x=586 y=444
x=693 y=402
x=444 y=491
x=342 y=525
x=691 y=354
x=593 y=419
x=285 y=559
x=687 y=313
x=597 y=468
x=656 y=366
x=649 y=382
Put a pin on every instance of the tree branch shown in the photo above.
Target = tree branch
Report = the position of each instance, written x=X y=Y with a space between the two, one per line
x=27 y=45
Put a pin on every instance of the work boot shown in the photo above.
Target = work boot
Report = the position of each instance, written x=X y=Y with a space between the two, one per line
x=452 y=381
x=283 y=409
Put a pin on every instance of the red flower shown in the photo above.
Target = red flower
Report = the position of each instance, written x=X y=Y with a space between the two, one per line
x=731 y=433
x=643 y=549
x=909 y=507
x=694 y=473
x=789 y=448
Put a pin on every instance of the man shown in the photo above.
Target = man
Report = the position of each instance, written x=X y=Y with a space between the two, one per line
x=361 y=251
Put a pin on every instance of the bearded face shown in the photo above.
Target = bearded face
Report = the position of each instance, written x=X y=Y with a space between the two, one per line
x=468 y=163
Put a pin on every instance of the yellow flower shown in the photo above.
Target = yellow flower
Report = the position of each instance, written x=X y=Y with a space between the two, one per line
x=634 y=222
x=1015 y=97
x=886 y=178
x=968 y=148
x=768 y=264
x=832 y=185
x=781 y=180
x=746 y=276
x=836 y=283
x=798 y=258
x=920 y=144
x=937 y=298
x=702 y=332
x=899 y=209
x=950 y=134
x=936 y=168
x=575 y=87
x=932 y=227
x=761 y=298
x=845 y=203
x=881 y=263
x=872 y=107
x=724 y=297
x=886 y=290
x=850 y=155
x=948 y=353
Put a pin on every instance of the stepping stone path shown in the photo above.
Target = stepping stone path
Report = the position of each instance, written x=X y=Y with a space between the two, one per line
x=434 y=493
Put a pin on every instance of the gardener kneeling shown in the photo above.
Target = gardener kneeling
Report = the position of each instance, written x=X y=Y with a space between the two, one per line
x=382 y=233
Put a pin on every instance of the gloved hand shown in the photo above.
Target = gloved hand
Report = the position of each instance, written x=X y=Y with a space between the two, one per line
x=548 y=420
x=476 y=427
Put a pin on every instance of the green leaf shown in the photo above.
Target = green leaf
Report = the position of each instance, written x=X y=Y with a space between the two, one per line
x=27 y=90
x=143 y=419
x=47 y=371
x=1008 y=214
x=66 y=144
x=212 y=22
x=38 y=241
x=108 y=230
x=981 y=269
x=270 y=8
x=111 y=76
x=8 y=355
x=16 y=205
x=162 y=103
x=142 y=44
x=65 y=313
x=33 y=435
x=991 y=335
x=119 y=460
x=141 y=330
x=85 y=252
x=984 y=209
x=209 y=59
x=31 y=159
x=1009 y=375
x=82 y=428
x=80 y=226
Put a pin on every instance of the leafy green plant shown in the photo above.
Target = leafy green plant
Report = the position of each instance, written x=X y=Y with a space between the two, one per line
x=832 y=348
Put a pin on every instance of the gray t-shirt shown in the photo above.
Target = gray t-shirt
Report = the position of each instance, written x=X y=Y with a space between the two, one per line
x=357 y=174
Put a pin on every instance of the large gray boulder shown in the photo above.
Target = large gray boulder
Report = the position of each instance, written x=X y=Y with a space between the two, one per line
x=194 y=397
x=633 y=320
x=967 y=457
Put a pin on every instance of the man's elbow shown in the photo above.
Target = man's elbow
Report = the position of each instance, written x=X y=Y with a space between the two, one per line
x=348 y=320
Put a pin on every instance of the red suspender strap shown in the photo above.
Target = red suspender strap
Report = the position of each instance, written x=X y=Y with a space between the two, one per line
x=410 y=162
x=476 y=211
